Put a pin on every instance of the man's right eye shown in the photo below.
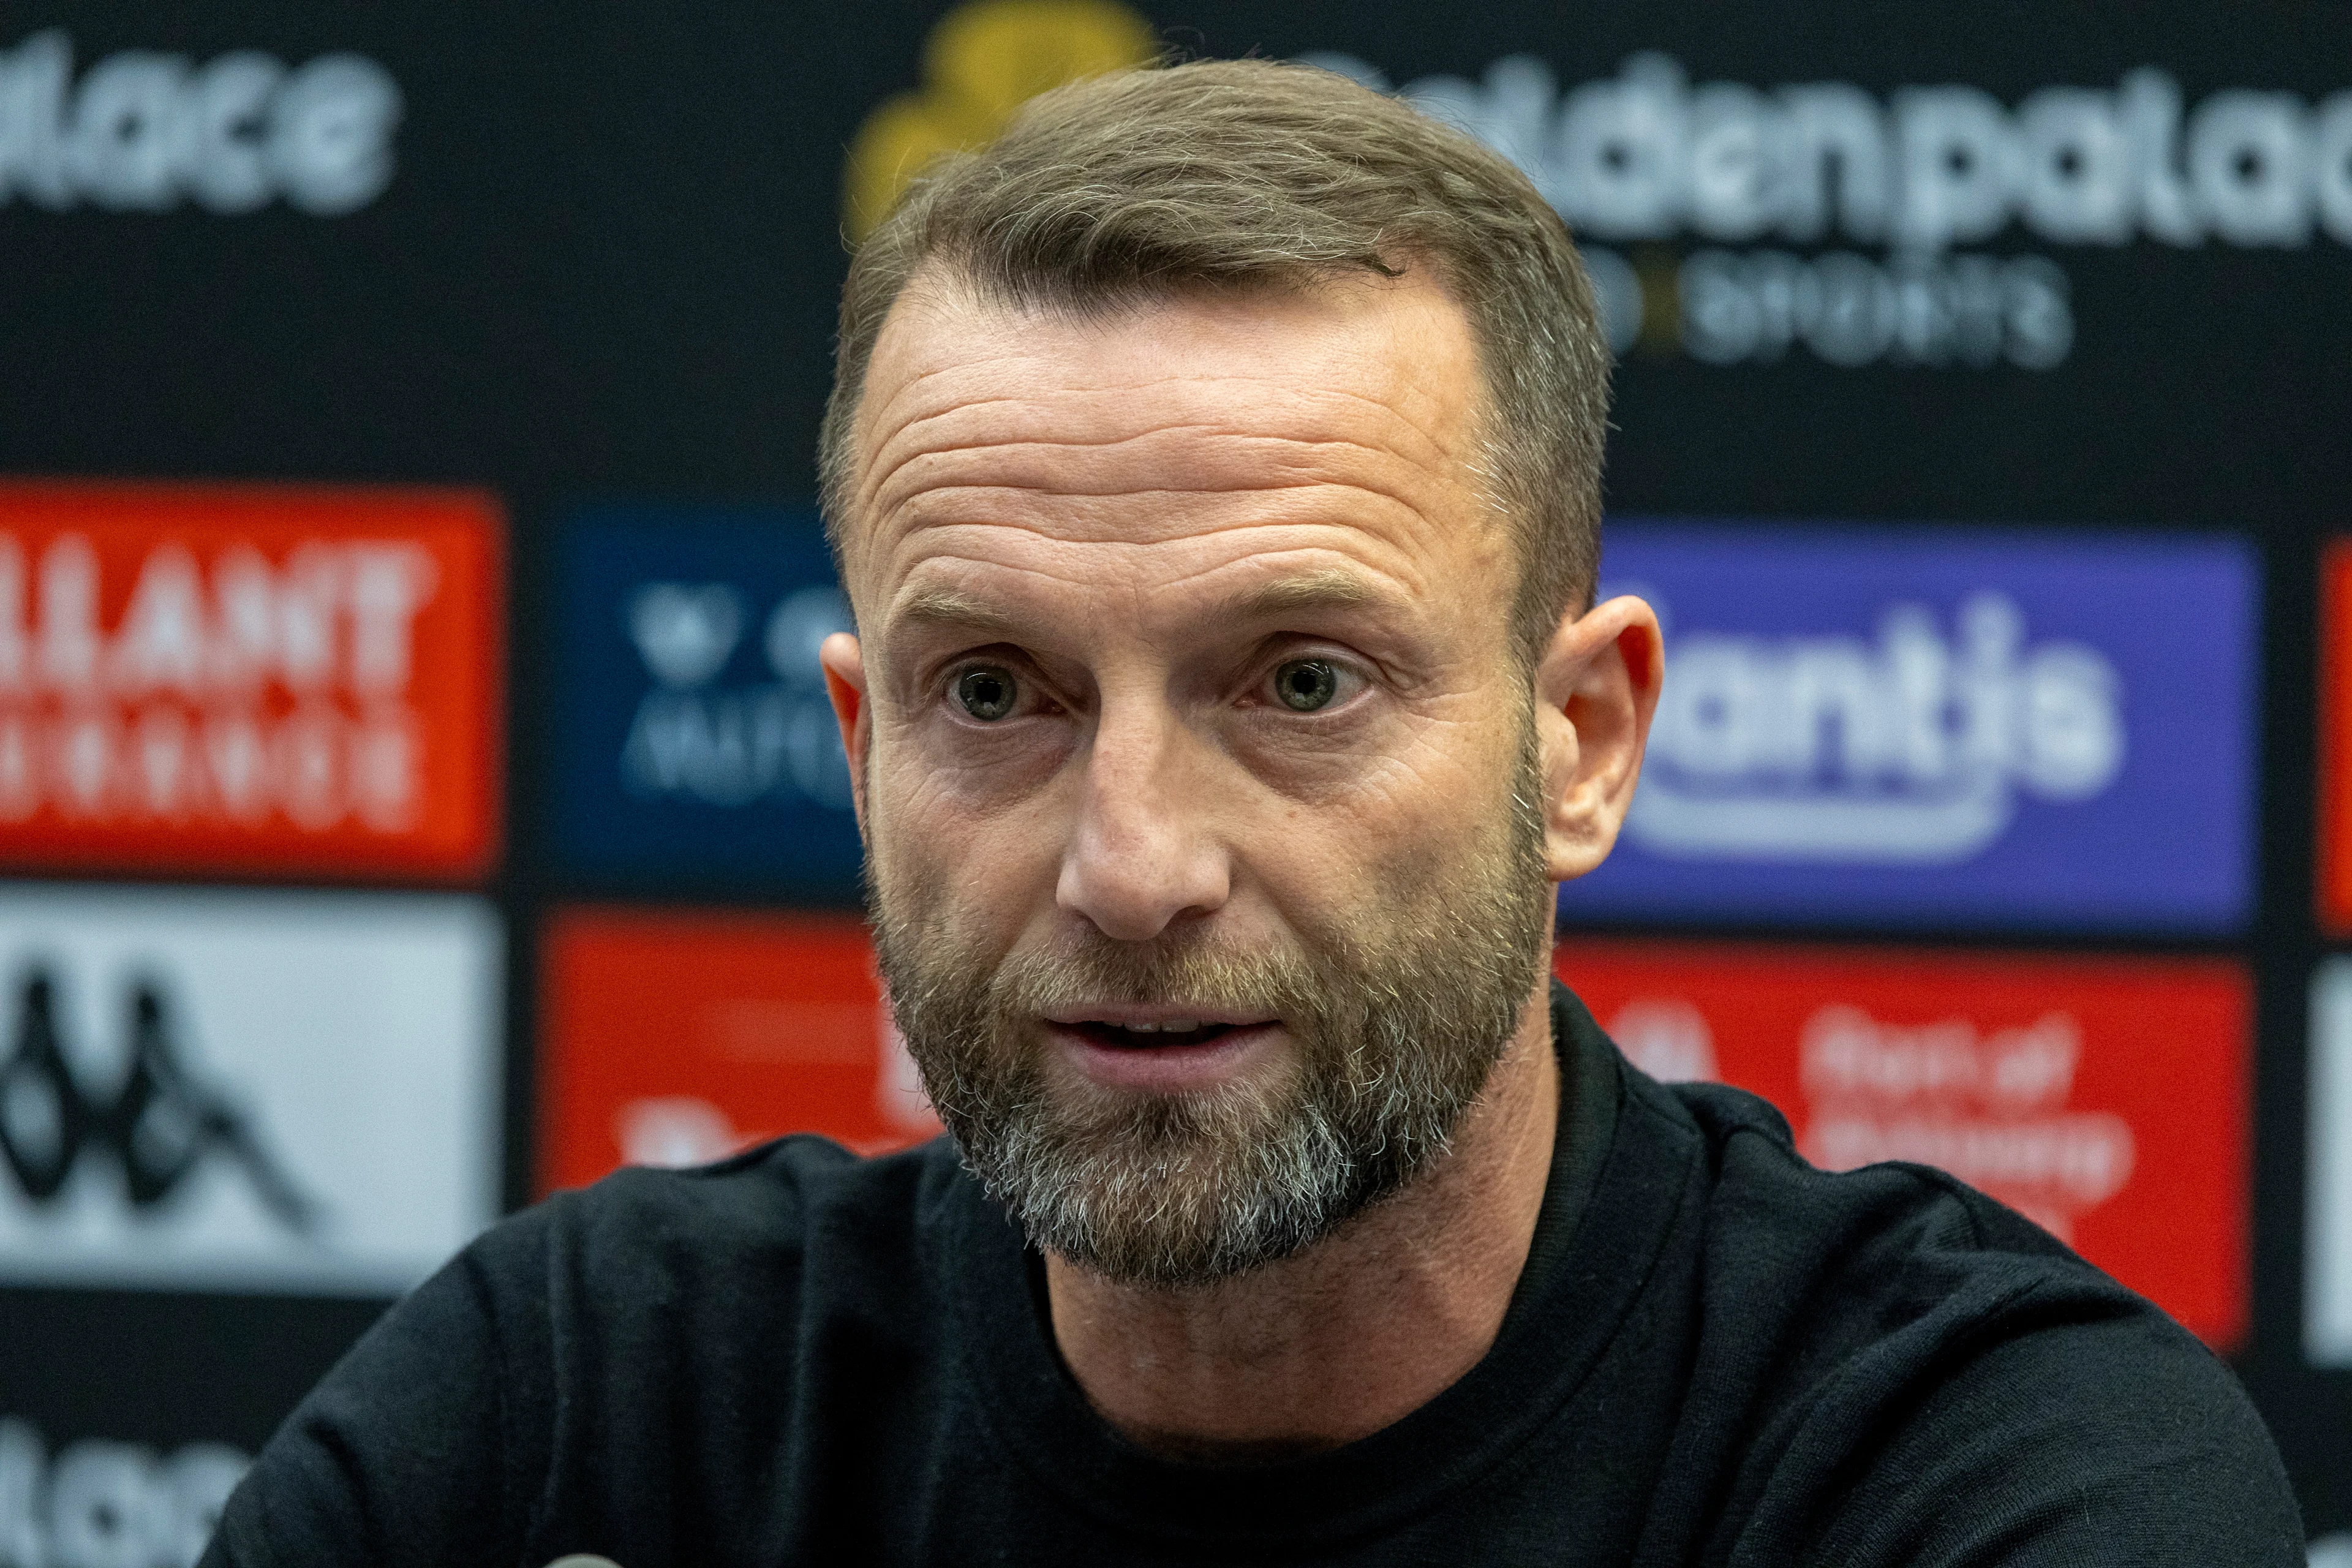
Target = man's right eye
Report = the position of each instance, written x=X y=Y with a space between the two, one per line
x=987 y=692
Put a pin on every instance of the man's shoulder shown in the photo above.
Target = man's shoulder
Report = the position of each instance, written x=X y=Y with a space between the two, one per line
x=1898 y=1335
x=1757 y=1175
x=1883 y=1247
x=771 y=1218
x=560 y=1361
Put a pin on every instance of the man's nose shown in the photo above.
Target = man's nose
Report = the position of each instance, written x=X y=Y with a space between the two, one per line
x=1143 y=852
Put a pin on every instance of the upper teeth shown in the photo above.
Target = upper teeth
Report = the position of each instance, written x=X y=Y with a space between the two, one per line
x=1172 y=1027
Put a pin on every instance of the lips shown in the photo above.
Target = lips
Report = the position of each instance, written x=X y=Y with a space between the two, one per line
x=1174 y=1033
x=1162 y=1049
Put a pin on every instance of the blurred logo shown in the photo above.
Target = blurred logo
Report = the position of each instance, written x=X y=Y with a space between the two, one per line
x=257 y=1091
x=161 y=717
x=677 y=1039
x=672 y=1131
x=195 y=677
x=104 y=1504
x=1984 y=1106
x=1989 y=1107
x=1667 y=1037
x=1830 y=748
x=2102 y=1098
x=729 y=745
x=1646 y=156
x=158 y=1126
x=983 y=60
x=143 y=132
x=694 y=734
x=1938 y=728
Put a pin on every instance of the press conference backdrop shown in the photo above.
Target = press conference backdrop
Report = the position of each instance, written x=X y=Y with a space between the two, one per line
x=414 y=791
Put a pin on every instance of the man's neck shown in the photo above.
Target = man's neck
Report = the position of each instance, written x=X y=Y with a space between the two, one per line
x=1358 y=1331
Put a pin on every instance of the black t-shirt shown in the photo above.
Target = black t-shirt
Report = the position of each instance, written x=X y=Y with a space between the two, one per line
x=1717 y=1354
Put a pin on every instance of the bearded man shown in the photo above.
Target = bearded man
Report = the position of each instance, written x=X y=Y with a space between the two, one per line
x=1213 y=467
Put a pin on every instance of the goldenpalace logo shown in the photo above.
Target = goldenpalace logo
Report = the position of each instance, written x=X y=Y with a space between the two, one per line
x=1646 y=156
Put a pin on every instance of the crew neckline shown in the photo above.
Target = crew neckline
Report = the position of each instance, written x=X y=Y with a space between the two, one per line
x=1606 y=1213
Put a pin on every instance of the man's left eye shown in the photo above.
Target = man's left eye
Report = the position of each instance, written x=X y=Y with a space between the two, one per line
x=1305 y=684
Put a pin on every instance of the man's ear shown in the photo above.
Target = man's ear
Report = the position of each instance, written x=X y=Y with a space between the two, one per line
x=1596 y=688
x=844 y=662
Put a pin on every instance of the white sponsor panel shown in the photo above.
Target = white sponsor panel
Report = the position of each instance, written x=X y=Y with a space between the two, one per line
x=245 y=1091
x=103 y=1504
x=2328 y=1252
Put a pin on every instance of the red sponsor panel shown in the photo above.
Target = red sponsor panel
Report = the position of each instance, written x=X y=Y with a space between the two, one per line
x=2334 y=884
x=2105 y=1099
x=672 y=1039
x=249 y=678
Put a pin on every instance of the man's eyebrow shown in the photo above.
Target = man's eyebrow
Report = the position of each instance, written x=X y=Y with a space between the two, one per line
x=939 y=607
x=952 y=609
x=1327 y=588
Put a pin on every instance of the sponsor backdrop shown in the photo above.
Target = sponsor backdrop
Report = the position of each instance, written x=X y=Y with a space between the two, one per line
x=245 y=1088
x=693 y=733
x=672 y=1039
x=415 y=791
x=2104 y=1098
x=1936 y=728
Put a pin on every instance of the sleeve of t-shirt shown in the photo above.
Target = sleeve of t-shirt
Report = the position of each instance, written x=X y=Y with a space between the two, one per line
x=2070 y=1445
x=402 y=1454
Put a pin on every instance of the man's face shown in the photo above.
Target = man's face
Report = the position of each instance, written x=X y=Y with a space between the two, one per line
x=1195 y=763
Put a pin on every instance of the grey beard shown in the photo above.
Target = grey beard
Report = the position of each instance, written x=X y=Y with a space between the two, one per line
x=1398 y=1017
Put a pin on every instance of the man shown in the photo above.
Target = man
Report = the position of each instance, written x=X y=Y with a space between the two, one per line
x=1213 y=467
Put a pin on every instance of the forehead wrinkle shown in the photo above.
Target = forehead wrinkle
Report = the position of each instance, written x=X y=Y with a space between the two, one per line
x=1039 y=470
x=1276 y=591
x=1162 y=519
x=958 y=387
x=948 y=428
x=1123 y=418
x=1391 y=575
x=1070 y=415
x=1063 y=382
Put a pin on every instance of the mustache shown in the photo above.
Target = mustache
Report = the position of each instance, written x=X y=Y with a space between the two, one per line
x=1191 y=972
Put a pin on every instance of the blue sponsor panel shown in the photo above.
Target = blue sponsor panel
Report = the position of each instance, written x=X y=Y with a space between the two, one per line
x=1940 y=729
x=694 y=737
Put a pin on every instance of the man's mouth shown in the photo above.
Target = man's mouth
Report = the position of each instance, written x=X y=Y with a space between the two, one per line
x=1164 y=1048
x=1138 y=1036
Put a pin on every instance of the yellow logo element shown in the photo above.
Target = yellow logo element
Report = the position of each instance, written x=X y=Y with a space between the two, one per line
x=981 y=62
